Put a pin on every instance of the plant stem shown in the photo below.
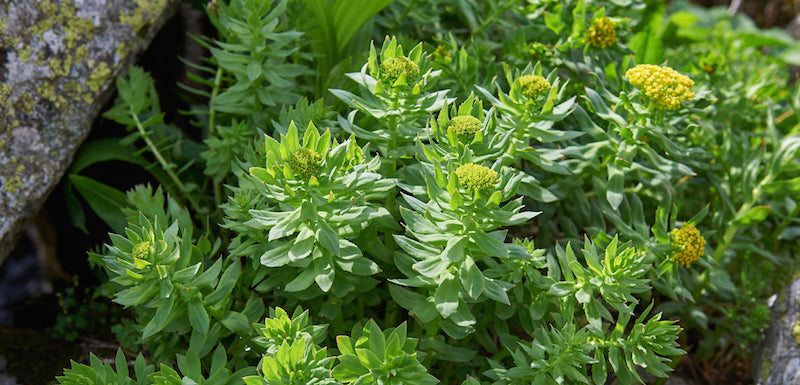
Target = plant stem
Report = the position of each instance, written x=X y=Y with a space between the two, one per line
x=169 y=169
x=212 y=113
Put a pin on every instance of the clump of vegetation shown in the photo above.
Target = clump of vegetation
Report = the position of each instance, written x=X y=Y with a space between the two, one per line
x=530 y=194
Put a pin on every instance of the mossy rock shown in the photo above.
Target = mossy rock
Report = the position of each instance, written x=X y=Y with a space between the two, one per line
x=57 y=64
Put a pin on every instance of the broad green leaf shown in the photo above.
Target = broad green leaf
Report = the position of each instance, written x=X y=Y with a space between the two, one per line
x=471 y=278
x=198 y=317
x=105 y=200
x=446 y=297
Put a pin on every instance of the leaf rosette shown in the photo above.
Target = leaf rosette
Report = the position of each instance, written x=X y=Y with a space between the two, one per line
x=321 y=193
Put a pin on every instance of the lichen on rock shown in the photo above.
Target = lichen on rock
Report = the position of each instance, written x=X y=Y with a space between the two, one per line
x=60 y=58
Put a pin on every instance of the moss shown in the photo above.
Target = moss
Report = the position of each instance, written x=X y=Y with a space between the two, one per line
x=25 y=102
x=99 y=75
x=13 y=185
x=796 y=332
x=24 y=53
x=47 y=91
x=766 y=367
x=5 y=92
x=146 y=12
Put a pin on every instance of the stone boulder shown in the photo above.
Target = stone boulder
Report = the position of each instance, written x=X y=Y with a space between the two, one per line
x=58 y=59
x=777 y=359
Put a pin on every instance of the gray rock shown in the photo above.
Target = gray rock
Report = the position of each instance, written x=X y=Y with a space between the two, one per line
x=57 y=62
x=777 y=359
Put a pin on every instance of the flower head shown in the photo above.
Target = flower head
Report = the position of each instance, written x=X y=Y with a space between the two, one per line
x=141 y=250
x=533 y=85
x=393 y=67
x=662 y=85
x=689 y=245
x=602 y=33
x=476 y=177
x=305 y=163
x=465 y=126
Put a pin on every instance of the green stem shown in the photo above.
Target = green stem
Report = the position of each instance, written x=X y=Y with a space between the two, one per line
x=212 y=130
x=160 y=158
x=212 y=113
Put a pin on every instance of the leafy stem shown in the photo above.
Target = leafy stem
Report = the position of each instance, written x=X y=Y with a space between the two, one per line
x=168 y=168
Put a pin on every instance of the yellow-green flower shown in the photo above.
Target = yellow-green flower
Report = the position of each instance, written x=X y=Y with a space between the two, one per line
x=533 y=85
x=141 y=250
x=477 y=177
x=393 y=67
x=465 y=127
x=602 y=33
x=442 y=55
x=662 y=85
x=688 y=244
x=305 y=163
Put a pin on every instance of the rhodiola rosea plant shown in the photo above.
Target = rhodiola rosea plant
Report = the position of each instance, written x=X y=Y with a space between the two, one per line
x=489 y=192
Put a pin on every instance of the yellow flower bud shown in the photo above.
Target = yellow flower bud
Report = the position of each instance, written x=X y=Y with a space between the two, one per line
x=305 y=163
x=393 y=67
x=465 y=127
x=141 y=250
x=477 y=177
x=533 y=85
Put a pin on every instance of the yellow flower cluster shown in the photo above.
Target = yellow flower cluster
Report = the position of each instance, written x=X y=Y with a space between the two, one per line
x=664 y=86
x=465 y=127
x=477 y=177
x=533 y=85
x=602 y=33
x=305 y=163
x=141 y=250
x=688 y=243
x=393 y=67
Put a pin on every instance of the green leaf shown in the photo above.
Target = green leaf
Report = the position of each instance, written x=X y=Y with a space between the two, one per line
x=647 y=45
x=495 y=291
x=160 y=319
x=105 y=200
x=377 y=341
x=553 y=21
x=327 y=237
x=446 y=297
x=471 y=278
x=752 y=216
x=235 y=321
x=198 y=317
x=302 y=282
x=253 y=70
x=287 y=226
x=615 y=187
x=490 y=245
x=431 y=267
x=324 y=274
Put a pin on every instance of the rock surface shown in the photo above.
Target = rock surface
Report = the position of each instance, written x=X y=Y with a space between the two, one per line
x=777 y=360
x=57 y=62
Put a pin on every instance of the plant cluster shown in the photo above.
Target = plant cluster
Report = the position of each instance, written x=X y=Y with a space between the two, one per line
x=538 y=192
